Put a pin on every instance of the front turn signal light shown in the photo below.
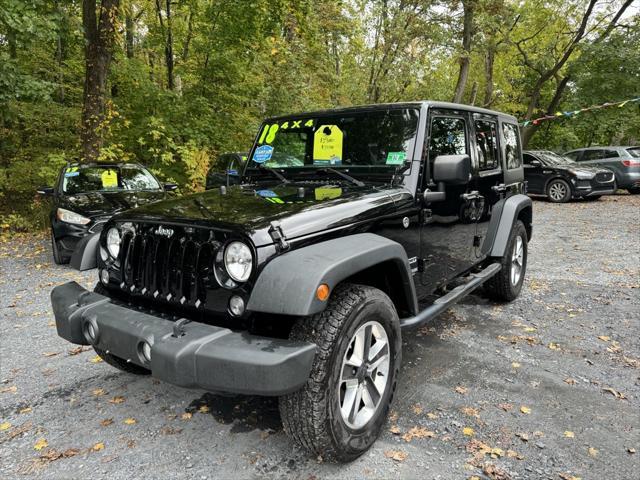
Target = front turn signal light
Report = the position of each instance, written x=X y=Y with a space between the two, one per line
x=322 y=292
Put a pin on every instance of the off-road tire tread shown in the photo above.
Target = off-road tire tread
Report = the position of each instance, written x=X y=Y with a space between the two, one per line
x=304 y=411
x=498 y=287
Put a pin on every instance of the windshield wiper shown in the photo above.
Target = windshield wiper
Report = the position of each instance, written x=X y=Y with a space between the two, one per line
x=282 y=178
x=355 y=181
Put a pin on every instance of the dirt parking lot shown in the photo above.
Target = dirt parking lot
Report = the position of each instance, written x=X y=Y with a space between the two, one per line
x=545 y=387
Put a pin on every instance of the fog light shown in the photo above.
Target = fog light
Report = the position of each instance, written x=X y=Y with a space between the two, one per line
x=145 y=351
x=104 y=277
x=236 y=306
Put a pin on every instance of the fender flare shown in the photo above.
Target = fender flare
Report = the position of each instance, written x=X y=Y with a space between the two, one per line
x=287 y=284
x=85 y=255
x=503 y=217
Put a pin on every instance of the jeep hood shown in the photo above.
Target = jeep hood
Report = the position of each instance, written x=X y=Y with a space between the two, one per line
x=250 y=209
x=92 y=204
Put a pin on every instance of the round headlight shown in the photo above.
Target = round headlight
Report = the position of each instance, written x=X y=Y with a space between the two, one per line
x=113 y=242
x=238 y=261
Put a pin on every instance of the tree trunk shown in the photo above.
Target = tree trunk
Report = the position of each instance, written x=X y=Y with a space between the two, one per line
x=99 y=34
x=129 y=32
x=467 y=33
x=488 y=76
x=530 y=130
x=168 y=40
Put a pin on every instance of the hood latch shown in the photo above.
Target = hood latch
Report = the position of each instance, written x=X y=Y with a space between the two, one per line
x=278 y=236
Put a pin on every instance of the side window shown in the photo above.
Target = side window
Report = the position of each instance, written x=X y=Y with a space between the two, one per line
x=610 y=154
x=572 y=155
x=527 y=159
x=448 y=137
x=592 y=155
x=512 y=154
x=487 y=144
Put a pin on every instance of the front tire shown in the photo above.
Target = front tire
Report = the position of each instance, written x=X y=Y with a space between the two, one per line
x=507 y=283
x=558 y=191
x=55 y=250
x=342 y=408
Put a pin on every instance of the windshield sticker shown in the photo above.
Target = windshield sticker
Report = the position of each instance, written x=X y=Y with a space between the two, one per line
x=266 y=193
x=273 y=129
x=232 y=172
x=263 y=154
x=396 y=158
x=109 y=179
x=327 y=145
x=327 y=193
x=71 y=172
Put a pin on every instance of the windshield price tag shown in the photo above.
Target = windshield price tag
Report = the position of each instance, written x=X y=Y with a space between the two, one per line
x=263 y=154
x=327 y=145
x=109 y=179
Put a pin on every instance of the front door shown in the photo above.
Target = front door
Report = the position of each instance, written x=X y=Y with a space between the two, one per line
x=448 y=226
x=533 y=174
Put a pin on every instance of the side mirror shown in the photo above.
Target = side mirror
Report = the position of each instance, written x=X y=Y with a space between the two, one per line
x=46 y=191
x=452 y=169
x=170 y=187
x=535 y=163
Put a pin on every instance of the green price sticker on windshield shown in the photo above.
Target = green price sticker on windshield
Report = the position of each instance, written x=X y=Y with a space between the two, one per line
x=396 y=158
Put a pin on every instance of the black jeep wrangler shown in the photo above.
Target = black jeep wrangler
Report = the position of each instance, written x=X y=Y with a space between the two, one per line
x=298 y=282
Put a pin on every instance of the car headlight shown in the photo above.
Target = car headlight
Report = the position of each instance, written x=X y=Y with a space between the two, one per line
x=68 y=216
x=582 y=175
x=238 y=261
x=113 y=242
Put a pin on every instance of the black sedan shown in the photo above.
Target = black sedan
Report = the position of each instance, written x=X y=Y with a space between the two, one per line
x=85 y=196
x=561 y=179
x=227 y=170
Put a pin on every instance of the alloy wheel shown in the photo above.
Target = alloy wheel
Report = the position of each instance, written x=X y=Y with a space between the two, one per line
x=364 y=374
x=557 y=191
x=517 y=260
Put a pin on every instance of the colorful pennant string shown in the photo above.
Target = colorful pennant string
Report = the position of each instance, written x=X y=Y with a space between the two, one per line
x=573 y=113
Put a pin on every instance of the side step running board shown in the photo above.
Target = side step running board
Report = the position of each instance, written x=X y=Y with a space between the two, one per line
x=454 y=296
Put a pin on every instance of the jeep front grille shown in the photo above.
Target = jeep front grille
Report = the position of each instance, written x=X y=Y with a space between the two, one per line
x=177 y=269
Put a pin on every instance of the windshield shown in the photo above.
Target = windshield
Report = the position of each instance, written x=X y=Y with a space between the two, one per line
x=375 y=140
x=107 y=178
x=553 y=158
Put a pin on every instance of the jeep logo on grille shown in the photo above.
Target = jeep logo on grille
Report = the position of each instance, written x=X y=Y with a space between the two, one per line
x=165 y=232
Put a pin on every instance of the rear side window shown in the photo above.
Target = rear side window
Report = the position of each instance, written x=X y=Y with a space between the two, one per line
x=512 y=153
x=599 y=154
x=634 y=152
x=487 y=144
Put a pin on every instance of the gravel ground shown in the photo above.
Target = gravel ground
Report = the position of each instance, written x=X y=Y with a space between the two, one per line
x=545 y=387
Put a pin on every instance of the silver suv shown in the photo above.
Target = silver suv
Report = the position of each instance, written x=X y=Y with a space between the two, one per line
x=623 y=161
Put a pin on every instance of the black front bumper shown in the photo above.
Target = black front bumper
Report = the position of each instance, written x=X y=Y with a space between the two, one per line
x=201 y=356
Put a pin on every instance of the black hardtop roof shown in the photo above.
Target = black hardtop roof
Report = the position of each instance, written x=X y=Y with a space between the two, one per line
x=384 y=106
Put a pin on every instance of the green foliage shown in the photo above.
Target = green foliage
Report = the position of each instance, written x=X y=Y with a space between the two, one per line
x=236 y=62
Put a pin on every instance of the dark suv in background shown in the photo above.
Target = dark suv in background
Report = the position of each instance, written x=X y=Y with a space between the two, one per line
x=85 y=196
x=623 y=161
x=561 y=179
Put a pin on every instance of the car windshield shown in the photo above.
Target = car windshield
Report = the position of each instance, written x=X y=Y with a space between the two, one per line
x=379 y=140
x=553 y=158
x=107 y=178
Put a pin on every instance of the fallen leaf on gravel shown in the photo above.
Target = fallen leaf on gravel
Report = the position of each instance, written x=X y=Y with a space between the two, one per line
x=566 y=476
x=593 y=451
x=472 y=412
x=570 y=381
x=530 y=329
x=106 y=422
x=495 y=473
x=204 y=409
x=525 y=410
x=615 y=393
x=97 y=447
x=130 y=421
x=186 y=416
x=604 y=338
x=175 y=431
x=397 y=455
x=496 y=452
x=52 y=455
x=515 y=365
x=117 y=400
x=395 y=430
x=4 y=426
x=538 y=434
x=505 y=406
x=96 y=359
x=25 y=410
x=569 y=434
x=514 y=454
x=417 y=409
x=77 y=350
x=468 y=431
x=40 y=444
x=461 y=390
x=51 y=354
x=98 y=392
x=553 y=346
x=418 y=432
x=523 y=436
x=631 y=450
x=432 y=416
x=11 y=389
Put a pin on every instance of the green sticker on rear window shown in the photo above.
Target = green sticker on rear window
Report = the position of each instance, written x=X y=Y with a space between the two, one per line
x=396 y=158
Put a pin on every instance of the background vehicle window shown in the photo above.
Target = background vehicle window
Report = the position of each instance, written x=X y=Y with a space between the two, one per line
x=511 y=146
x=448 y=137
x=487 y=144
x=572 y=155
x=527 y=159
x=634 y=152
x=599 y=154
